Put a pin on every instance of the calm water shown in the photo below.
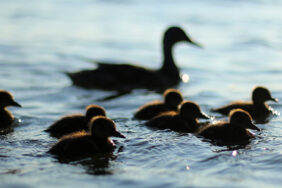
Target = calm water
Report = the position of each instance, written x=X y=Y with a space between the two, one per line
x=39 y=40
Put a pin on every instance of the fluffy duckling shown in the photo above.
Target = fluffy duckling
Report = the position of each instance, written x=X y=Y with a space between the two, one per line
x=77 y=122
x=256 y=108
x=6 y=117
x=125 y=77
x=82 y=144
x=233 y=131
x=172 y=98
x=184 y=120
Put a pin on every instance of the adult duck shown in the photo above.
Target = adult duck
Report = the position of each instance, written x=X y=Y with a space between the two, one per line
x=6 y=117
x=257 y=108
x=172 y=98
x=232 y=132
x=125 y=77
x=83 y=144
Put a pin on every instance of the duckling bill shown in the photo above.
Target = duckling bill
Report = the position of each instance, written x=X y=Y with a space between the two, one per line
x=125 y=77
x=6 y=100
x=184 y=120
x=257 y=108
x=82 y=144
x=172 y=98
x=76 y=122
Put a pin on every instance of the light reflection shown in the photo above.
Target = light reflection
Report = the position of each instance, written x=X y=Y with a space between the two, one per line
x=234 y=153
x=187 y=167
x=185 y=78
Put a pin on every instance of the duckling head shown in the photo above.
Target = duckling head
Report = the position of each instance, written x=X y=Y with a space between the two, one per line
x=175 y=34
x=189 y=109
x=172 y=97
x=241 y=118
x=93 y=110
x=261 y=94
x=6 y=99
x=103 y=127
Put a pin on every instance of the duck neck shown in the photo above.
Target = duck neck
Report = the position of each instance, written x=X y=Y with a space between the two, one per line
x=104 y=143
x=168 y=61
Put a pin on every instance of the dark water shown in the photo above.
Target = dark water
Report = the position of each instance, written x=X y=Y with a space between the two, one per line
x=39 y=40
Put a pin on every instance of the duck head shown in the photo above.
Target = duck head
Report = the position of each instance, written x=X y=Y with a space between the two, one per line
x=175 y=34
x=241 y=118
x=261 y=94
x=93 y=110
x=6 y=99
x=103 y=127
x=172 y=97
x=191 y=110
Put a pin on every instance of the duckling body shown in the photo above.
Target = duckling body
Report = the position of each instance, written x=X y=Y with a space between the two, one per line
x=6 y=117
x=185 y=120
x=125 y=77
x=83 y=144
x=77 y=122
x=172 y=98
x=233 y=131
x=257 y=108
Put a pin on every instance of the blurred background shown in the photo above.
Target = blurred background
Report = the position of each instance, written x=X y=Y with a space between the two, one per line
x=40 y=40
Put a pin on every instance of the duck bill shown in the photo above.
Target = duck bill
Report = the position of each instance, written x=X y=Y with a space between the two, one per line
x=252 y=126
x=274 y=99
x=193 y=42
x=118 y=134
x=14 y=103
x=203 y=116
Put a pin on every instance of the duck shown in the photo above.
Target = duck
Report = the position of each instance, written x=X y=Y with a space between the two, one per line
x=6 y=117
x=257 y=108
x=83 y=144
x=172 y=98
x=184 y=120
x=126 y=77
x=232 y=132
x=76 y=122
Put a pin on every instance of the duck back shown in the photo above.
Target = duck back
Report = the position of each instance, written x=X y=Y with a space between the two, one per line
x=68 y=124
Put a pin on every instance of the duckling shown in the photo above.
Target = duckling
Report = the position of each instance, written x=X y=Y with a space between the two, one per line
x=257 y=108
x=233 y=131
x=6 y=117
x=77 y=122
x=125 y=77
x=82 y=144
x=172 y=98
x=185 y=119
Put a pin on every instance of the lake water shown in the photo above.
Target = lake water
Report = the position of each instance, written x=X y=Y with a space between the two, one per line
x=40 y=40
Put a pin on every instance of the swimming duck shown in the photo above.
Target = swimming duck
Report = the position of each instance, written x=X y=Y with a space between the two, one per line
x=82 y=144
x=77 y=122
x=6 y=117
x=125 y=77
x=257 y=108
x=185 y=119
x=233 y=131
x=172 y=98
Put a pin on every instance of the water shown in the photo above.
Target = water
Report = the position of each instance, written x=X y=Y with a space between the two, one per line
x=39 y=40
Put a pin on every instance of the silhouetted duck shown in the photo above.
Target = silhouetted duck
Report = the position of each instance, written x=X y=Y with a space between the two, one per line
x=125 y=77
x=257 y=108
x=233 y=131
x=6 y=117
x=82 y=144
x=172 y=98
x=184 y=120
x=77 y=122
